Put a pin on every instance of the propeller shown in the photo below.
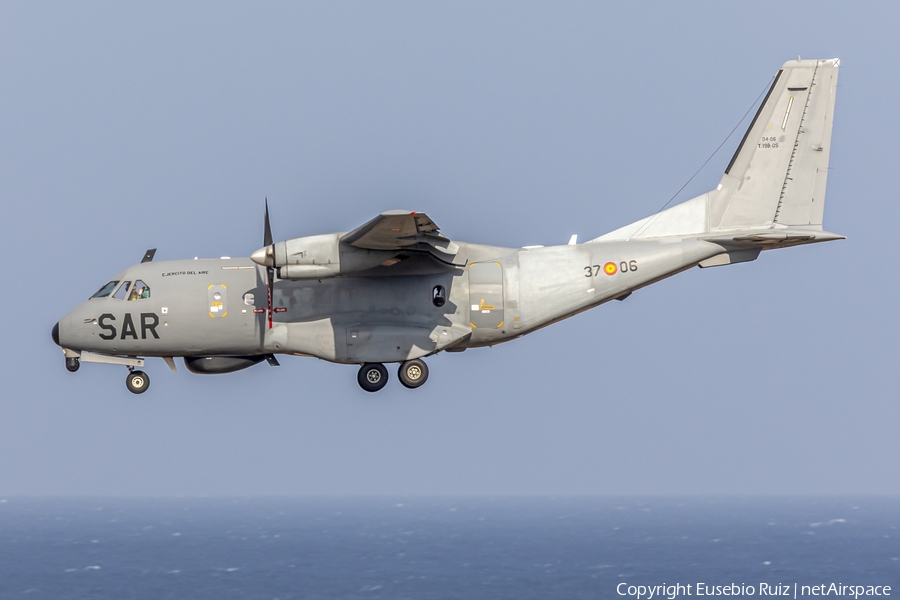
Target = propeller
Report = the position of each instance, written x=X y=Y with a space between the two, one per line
x=265 y=256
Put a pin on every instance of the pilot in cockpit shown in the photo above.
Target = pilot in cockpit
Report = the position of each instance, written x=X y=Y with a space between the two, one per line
x=139 y=291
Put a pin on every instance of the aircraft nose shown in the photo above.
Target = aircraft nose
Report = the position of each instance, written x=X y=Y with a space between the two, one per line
x=55 y=334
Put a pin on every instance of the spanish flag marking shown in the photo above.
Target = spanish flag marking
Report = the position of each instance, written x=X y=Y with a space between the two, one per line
x=610 y=268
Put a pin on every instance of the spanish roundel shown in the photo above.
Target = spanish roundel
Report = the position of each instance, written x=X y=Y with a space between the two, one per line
x=610 y=268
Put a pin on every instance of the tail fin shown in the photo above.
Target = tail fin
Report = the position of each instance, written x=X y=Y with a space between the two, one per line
x=778 y=173
x=777 y=176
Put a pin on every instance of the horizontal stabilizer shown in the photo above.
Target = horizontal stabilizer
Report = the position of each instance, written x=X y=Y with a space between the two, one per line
x=773 y=238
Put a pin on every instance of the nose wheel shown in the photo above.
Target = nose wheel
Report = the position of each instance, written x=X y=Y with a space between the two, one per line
x=137 y=382
x=372 y=377
x=413 y=373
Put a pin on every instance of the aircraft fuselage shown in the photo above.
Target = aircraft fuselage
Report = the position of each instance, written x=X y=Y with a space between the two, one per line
x=218 y=307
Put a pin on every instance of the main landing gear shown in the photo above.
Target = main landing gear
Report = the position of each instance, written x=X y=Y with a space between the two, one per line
x=413 y=373
x=374 y=376
x=137 y=382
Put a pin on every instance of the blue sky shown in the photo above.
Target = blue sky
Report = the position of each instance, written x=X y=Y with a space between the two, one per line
x=128 y=127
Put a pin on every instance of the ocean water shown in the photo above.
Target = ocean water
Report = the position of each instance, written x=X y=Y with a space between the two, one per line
x=422 y=548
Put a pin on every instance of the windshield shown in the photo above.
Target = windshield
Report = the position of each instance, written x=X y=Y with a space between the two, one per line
x=122 y=291
x=106 y=290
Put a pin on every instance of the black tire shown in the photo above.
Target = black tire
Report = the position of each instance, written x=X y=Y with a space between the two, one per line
x=72 y=364
x=137 y=382
x=372 y=377
x=413 y=373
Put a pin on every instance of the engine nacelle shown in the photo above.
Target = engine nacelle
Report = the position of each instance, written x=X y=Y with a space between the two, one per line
x=217 y=365
x=305 y=272
x=314 y=250
x=319 y=257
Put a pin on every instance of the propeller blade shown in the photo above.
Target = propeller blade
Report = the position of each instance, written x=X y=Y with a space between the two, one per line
x=270 y=280
x=267 y=235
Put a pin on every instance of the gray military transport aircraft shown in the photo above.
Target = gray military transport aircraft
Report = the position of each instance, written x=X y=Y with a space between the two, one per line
x=396 y=290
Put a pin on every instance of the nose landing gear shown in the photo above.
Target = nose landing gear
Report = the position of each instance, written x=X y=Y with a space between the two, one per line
x=137 y=382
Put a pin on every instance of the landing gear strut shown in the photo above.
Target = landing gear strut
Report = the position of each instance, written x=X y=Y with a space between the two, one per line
x=413 y=373
x=372 y=377
x=137 y=382
x=72 y=364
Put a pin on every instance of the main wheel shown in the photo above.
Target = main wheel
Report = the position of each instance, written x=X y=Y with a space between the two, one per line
x=413 y=373
x=137 y=382
x=372 y=377
x=72 y=364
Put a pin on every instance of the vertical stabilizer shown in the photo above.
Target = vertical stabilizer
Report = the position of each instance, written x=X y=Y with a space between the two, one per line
x=777 y=176
x=778 y=173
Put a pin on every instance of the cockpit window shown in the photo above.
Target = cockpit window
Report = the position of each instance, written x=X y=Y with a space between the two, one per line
x=140 y=291
x=106 y=290
x=122 y=292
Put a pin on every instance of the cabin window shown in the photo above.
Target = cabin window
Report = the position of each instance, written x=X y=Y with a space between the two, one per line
x=140 y=291
x=106 y=290
x=122 y=292
x=438 y=296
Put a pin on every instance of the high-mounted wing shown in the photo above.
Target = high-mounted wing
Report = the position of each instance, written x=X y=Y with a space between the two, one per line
x=391 y=230
x=402 y=230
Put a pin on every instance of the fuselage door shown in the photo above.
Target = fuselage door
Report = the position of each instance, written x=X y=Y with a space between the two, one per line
x=486 y=295
x=218 y=303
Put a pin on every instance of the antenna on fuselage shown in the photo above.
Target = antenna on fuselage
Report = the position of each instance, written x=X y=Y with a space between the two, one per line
x=148 y=255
